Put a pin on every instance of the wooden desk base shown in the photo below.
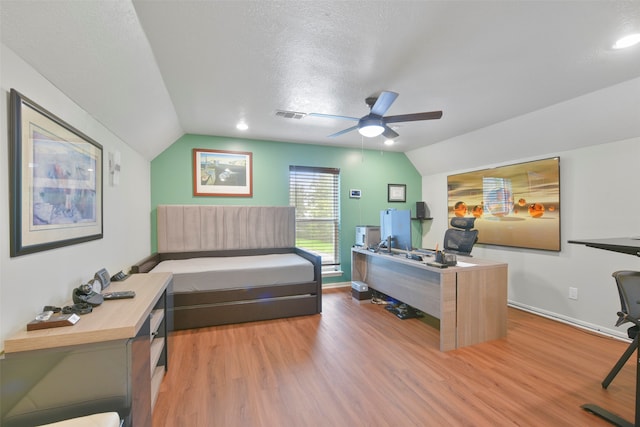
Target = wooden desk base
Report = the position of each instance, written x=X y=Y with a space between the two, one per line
x=471 y=302
x=113 y=359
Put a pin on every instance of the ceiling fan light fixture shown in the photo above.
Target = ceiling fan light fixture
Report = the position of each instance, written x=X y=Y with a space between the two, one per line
x=628 y=41
x=376 y=123
x=370 y=127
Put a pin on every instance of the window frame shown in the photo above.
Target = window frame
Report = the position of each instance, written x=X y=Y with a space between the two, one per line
x=328 y=179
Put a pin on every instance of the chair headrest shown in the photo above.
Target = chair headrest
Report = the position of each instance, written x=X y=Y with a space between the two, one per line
x=464 y=223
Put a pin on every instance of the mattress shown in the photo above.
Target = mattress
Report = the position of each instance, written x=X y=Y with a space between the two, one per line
x=215 y=273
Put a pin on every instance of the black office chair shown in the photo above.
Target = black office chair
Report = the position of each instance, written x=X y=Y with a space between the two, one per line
x=628 y=283
x=461 y=237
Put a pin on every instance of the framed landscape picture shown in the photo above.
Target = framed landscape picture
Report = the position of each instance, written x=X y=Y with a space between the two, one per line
x=515 y=205
x=222 y=173
x=55 y=181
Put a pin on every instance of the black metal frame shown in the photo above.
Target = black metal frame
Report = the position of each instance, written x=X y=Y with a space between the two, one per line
x=17 y=159
x=631 y=247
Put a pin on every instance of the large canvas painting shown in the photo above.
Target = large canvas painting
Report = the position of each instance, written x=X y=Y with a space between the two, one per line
x=516 y=205
x=56 y=181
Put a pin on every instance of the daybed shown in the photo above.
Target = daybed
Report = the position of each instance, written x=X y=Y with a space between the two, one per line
x=234 y=264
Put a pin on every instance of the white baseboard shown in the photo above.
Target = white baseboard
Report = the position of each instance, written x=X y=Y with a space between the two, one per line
x=571 y=321
x=612 y=333
x=336 y=285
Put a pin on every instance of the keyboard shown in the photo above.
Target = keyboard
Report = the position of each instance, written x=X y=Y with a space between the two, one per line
x=425 y=252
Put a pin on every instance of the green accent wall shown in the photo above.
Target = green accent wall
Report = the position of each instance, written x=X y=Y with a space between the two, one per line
x=367 y=170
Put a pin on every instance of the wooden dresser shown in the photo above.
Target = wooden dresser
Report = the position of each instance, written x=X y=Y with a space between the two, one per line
x=112 y=359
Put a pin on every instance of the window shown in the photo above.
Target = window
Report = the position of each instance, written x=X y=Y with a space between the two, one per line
x=314 y=192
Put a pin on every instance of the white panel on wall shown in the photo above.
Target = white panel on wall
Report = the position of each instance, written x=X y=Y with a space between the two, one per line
x=607 y=115
x=28 y=283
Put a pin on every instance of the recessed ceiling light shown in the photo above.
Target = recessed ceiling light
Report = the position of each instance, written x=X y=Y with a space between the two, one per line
x=627 y=41
x=389 y=142
x=242 y=126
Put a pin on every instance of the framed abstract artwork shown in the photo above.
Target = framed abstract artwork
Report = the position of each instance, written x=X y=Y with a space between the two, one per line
x=55 y=181
x=515 y=205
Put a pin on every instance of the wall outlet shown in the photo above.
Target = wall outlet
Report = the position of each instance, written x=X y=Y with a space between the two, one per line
x=573 y=293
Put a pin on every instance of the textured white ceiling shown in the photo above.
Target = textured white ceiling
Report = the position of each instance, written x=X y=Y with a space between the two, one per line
x=153 y=70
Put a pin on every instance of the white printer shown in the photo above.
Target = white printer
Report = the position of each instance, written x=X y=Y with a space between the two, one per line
x=367 y=235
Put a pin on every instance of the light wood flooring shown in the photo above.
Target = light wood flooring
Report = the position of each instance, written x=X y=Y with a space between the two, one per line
x=358 y=365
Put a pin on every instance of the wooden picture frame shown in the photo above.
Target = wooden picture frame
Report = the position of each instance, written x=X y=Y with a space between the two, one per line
x=55 y=181
x=396 y=192
x=222 y=173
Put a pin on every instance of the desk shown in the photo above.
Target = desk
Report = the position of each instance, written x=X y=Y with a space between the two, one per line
x=624 y=245
x=471 y=302
x=113 y=359
x=629 y=246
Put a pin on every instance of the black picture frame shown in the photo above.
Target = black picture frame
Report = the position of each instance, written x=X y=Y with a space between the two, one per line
x=56 y=192
x=397 y=193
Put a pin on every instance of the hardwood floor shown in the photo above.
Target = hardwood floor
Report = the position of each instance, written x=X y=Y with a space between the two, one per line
x=358 y=365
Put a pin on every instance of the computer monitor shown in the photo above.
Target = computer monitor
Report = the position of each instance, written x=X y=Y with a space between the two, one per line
x=396 y=224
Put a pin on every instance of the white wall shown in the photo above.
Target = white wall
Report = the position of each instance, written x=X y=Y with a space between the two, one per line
x=29 y=282
x=598 y=140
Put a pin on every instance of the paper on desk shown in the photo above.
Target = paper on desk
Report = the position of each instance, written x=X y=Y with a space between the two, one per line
x=464 y=264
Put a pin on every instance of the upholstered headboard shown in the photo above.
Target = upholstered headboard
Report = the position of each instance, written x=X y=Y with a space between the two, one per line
x=186 y=228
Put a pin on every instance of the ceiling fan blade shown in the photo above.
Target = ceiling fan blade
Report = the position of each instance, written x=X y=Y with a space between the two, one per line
x=342 y=132
x=383 y=103
x=432 y=115
x=389 y=133
x=333 y=116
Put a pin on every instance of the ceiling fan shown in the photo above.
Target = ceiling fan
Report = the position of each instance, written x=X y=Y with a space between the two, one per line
x=376 y=123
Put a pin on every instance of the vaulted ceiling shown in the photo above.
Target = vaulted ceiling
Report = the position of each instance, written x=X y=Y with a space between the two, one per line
x=151 y=71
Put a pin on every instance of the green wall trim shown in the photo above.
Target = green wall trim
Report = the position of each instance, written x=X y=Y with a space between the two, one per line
x=367 y=170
